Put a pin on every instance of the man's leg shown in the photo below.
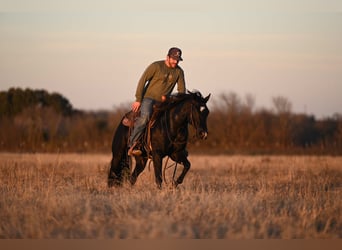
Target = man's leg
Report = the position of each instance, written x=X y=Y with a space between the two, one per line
x=146 y=109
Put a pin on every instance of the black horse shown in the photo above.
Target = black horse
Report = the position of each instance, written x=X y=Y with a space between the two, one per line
x=166 y=135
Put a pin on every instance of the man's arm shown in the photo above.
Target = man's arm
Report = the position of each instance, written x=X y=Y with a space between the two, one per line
x=146 y=76
x=181 y=82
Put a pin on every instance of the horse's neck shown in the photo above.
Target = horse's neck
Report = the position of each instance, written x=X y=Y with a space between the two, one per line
x=179 y=115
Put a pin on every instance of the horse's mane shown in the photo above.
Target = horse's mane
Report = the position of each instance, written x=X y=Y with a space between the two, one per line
x=174 y=100
x=168 y=104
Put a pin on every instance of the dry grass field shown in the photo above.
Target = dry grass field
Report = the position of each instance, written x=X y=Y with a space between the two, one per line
x=232 y=197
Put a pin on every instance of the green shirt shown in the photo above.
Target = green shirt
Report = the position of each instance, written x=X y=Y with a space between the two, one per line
x=158 y=80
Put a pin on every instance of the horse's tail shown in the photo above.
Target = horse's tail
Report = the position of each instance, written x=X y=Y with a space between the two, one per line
x=119 y=168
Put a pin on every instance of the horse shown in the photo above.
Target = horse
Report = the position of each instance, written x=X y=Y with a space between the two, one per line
x=166 y=135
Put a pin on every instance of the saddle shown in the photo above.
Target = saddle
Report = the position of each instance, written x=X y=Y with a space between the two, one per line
x=129 y=119
x=158 y=108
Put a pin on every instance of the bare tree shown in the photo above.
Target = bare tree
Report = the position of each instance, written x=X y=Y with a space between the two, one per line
x=282 y=124
x=249 y=102
x=282 y=105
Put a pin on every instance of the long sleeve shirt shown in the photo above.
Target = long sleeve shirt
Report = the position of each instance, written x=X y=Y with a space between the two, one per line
x=158 y=80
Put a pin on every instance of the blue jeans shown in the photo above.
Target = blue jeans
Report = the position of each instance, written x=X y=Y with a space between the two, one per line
x=146 y=110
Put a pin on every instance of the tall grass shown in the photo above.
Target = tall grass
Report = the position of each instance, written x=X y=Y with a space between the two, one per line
x=238 y=197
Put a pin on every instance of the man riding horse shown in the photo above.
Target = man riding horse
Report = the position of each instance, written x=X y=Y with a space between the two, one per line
x=168 y=136
x=157 y=82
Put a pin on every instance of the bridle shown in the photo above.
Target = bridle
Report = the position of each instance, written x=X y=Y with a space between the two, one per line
x=164 y=123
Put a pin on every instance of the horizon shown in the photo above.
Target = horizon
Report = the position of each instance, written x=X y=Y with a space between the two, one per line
x=216 y=103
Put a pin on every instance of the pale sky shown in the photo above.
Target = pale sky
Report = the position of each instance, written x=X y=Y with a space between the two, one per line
x=94 y=52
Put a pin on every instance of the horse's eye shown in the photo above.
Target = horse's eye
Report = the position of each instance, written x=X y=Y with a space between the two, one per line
x=202 y=108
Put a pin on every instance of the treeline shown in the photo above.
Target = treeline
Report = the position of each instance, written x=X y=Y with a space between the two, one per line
x=38 y=121
x=15 y=100
x=240 y=128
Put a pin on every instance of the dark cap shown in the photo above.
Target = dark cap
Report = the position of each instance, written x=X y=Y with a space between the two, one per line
x=175 y=53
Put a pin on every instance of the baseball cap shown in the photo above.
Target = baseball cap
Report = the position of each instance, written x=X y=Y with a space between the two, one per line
x=175 y=53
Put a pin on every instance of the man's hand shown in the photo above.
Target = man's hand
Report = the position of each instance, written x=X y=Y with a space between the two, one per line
x=136 y=106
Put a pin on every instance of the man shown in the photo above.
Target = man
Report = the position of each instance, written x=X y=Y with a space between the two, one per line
x=158 y=81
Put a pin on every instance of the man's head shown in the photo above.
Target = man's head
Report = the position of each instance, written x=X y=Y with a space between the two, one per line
x=175 y=53
x=173 y=57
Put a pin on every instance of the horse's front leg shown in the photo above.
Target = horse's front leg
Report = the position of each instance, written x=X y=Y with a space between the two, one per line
x=186 y=163
x=157 y=164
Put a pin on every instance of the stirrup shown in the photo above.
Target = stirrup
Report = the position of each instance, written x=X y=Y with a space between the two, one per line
x=134 y=152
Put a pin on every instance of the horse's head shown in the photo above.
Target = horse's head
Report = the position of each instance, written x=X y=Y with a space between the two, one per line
x=199 y=114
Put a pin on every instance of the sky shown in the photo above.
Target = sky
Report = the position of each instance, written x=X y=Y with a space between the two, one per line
x=94 y=52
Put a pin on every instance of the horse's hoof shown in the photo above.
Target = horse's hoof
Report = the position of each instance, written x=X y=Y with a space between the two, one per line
x=174 y=184
x=114 y=183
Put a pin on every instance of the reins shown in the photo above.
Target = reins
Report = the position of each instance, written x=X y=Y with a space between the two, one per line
x=166 y=167
x=175 y=164
x=165 y=125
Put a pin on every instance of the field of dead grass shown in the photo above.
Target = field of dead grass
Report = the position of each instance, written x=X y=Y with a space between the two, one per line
x=232 y=197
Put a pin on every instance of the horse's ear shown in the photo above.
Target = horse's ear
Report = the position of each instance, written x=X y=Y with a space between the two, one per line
x=207 y=98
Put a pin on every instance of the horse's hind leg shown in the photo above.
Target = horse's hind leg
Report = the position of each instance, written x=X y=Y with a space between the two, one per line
x=119 y=165
x=116 y=171
x=114 y=175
